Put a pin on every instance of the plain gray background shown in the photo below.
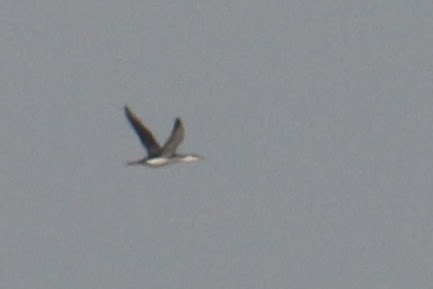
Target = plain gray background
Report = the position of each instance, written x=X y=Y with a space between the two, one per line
x=315 y=118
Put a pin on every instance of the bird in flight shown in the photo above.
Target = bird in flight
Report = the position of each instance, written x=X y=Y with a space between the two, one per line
x=158 y=155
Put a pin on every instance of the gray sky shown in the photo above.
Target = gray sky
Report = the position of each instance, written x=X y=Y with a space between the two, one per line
x=315 y=120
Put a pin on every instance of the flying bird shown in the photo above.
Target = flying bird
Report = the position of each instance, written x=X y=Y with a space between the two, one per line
x=158 y=155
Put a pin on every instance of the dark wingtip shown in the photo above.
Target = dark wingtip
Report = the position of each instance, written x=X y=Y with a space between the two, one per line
x=177 y=122
x=129 y=114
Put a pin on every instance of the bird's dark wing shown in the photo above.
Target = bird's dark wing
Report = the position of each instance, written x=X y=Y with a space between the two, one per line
x=176 y=137
x=146 y=137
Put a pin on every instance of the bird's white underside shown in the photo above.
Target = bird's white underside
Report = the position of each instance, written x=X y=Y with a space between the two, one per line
x=188 y=159
x=157 y=161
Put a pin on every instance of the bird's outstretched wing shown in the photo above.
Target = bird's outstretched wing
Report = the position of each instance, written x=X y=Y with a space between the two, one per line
x=146 y=137
x=176 y=137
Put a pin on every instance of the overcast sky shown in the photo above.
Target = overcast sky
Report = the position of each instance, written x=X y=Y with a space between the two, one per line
x=315 y=119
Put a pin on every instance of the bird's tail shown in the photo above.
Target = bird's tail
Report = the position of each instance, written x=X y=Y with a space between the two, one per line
x=133 y=163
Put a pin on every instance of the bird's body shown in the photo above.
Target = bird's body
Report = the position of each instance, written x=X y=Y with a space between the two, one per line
x=157 y=155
